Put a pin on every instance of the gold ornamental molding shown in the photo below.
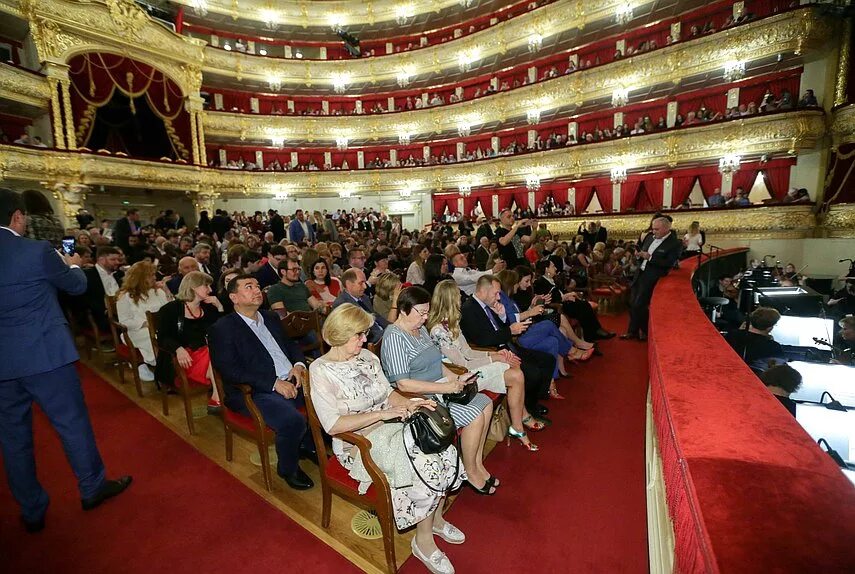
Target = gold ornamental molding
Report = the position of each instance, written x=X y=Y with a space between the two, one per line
x=779 y=133
x=24 y=87
x=839 y=221
x=779 y=222
x=843 y=126
x=317 y=14
x=792 y=31
x=556 y=18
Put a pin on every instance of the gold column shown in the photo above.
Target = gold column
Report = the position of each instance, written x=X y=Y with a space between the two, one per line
x=71 y=139
x=56 y=114
x=193 y=138
x=840 y=95
x=200 y=124
x=72 y=197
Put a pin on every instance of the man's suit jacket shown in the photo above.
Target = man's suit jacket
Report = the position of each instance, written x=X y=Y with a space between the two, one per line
x=482 y=256
x=174 y=283
x=477 y=328
x=267 y=276
x=121 y=232
x=296 y=233
x=663 y=259
x=34 y=334
x=277 y=226
x=380 y=322
x=484 y=230
x=241 y=359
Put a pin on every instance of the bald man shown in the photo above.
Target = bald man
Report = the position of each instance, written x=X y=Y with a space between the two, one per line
x=658 y=254
x=185 y=266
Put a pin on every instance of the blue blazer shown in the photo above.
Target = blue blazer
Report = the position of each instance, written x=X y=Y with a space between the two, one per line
x=296 y=234
x=240 y=357
x=34 y=333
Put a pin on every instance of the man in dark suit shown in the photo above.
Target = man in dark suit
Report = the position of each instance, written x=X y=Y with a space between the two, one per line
x=355 y=285
x=37 y=357
x=202 y=255
x=481 y=326
x=482 y=253
x=484 y=230
x=102 y=279
x=277 y=225
x=126 y=227
x=268 y=274
x=185 y=266
x=299 y=229
x=249 y=347
x=658 y=253
x=220 y=223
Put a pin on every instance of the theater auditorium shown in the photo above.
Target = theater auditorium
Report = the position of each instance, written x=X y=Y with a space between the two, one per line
x=437 y=286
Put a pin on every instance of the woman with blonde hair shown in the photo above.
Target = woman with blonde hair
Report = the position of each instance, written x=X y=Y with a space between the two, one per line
x=350 y=393
x=386 y=292
x=498 y=370
x=140 y=293
x=182 y=329
x=598 y=253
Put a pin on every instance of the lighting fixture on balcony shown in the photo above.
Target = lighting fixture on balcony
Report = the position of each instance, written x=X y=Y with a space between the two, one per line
x=464 y=129
x=298 y=54
x=466 y=58
x=406 y=191
x=270 y=18
x=734 y=70
x=280 y=195
x=618 y=174
x=340 y=81
x=532 y=182
x=275 y=82
x=533 y=117
x=227 y=47
x=200 y=7
x=277 y=140
x=345 y=194
x=403 y=13
x=466 y=3
x=404 y=138
x=262 y=52
x=336 y=21
x=465 y=188
x=341 y=142
x=729 y=163
x=535 y=42
x=403 y=77
x=620 y=97
x=623 y=14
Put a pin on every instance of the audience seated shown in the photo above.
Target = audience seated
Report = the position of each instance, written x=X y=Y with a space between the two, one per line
x=354 y=292
x=139 y=294
x=782 y=381
x=101 y=280
x=754 y=343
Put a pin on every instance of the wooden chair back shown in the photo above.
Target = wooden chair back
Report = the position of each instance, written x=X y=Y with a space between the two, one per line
x=298 y=324
x=374 y=347
x=121 y=339
x=151 y=319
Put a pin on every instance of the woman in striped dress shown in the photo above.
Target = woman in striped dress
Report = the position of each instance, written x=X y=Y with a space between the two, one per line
x=413 y=364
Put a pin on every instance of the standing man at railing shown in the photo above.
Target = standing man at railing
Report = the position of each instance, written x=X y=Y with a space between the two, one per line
x=659 y=253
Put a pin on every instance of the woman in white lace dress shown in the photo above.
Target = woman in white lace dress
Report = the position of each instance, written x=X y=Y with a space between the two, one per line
x=350 y=393
x=500 y=371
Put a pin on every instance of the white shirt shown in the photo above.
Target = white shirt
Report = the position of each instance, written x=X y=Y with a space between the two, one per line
x=111 y=286
x=653 y=246
x=305 y=227
x=280 y=359
x=467 y=278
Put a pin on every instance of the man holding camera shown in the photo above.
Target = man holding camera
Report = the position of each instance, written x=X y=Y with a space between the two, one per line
x=512 y=237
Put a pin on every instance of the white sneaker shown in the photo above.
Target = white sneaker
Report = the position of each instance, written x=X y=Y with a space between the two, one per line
x=145 y=372
x=450 y=533
x=437 y=563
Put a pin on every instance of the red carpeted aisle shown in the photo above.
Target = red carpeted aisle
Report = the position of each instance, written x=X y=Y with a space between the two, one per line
x=182 y=514
x=578 y=504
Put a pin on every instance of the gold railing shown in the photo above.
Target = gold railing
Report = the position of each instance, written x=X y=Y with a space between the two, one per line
x=792 y=31
x=24 y=87
x=776 y=133
x=843 y=125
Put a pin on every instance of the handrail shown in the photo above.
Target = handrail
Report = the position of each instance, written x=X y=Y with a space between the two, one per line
x=736 y=465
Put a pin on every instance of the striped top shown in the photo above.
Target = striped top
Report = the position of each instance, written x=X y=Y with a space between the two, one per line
x=407 y=357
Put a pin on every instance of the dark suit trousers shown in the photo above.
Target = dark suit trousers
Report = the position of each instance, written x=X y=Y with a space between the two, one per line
x=582 y=312
x=537 y=368
x=60 y=397
x=639 y=302
x=287 y=422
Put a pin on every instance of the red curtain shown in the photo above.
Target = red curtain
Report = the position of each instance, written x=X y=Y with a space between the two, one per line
x=681 y=188
x=521 y=197
x=654 y=190
x=643 y=202
x=744 y=178
x=559 y=194
x=709 y=181
x=439 y=204
x=604 y=194
x=584 y=193
x=777 y=180
x=94 y=79
x=629 y=194
x=841 y=186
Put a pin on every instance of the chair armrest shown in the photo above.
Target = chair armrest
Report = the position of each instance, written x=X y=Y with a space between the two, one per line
x=456 y=369
x=482 y=348
x=246 y=391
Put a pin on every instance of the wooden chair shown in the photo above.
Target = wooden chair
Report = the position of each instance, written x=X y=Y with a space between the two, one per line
x=93 y=336
x=127 y=355
x=374 y=347
x=298 y=324
x=184 y=387
x=250 y=427
x=335 y=480
x=603 y=289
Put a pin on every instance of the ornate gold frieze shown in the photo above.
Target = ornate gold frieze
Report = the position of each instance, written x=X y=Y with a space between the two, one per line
x=839 y=221
x=21 y=86
x=785 y=32
x=843 y=125
x=751 y=136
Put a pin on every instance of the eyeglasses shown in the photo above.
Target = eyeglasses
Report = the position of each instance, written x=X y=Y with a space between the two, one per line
x=364 y=333
x=422 y=313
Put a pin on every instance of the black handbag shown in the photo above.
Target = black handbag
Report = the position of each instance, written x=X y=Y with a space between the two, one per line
x=433 y=430
x=466 y=394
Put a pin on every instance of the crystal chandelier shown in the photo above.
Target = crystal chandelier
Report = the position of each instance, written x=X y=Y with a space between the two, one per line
x=405 y=192
x=533 y=117
x=341 y=142
x=404 y=138
x=403 y=13
x=618 y=174
x=345 y=194
x=623 y=15
x=620 y=97
x=464 y=129
x=336 y=21
x=466 y=58
x=280 y=195
x=465 y=188
x=729 y=163
x=466 y=3
x=277 y=140
x=270 y=18
x=532 y=182
x=340 y=82
x=275 y=82
x=200 y=7
x=403 y=78
x=734 y=70
x=535 y=41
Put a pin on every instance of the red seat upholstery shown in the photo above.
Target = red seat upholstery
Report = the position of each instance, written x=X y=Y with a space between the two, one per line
x=243 y=421
x=124 y=352
x=338 y=474
x=603 y=292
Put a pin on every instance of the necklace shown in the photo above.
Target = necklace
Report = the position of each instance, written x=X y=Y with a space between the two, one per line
x=190 y=310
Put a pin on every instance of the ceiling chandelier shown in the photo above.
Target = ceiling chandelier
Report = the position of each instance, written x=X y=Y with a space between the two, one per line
x=340 y=81
x=464 y=129
x=270 y=18
x=535 y=42
x=532 y=182
x=200 y=7
x=533 y=117
x=403 y=13
x=618 y=174
x=620 y=97
x=341 y=142
x=275 y=82
x=623 y=14
x=729 y=163
x=404 y=138
x=465 y=188
x=734 y=70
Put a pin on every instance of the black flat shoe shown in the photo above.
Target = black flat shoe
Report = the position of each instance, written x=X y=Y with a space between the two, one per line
x=539 y=410
x=628 y=336
x=298 y=480
x=487 y=490
x=34 y=527
x=603 y=334
x=110 y=489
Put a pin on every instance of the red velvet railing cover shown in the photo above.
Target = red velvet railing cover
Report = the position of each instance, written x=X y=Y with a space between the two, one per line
x=747 y=489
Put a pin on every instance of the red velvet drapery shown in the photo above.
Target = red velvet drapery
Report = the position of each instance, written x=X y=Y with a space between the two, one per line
x=584 y=194
x=629 y=194
x=604 y=195
x=840 y=186
x=777 y=180
x=744 y=178
x=96 y=76
x=681 y=188
x=709 y=181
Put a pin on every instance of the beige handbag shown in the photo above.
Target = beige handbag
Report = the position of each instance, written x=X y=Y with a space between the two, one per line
x=499 y=424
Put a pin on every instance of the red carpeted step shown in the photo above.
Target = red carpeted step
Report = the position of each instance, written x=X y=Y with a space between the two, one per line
x=578 y=504
x=183 y=513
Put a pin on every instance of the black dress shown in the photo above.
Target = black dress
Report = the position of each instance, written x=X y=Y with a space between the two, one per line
x=580 y=310
x=175 y=330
